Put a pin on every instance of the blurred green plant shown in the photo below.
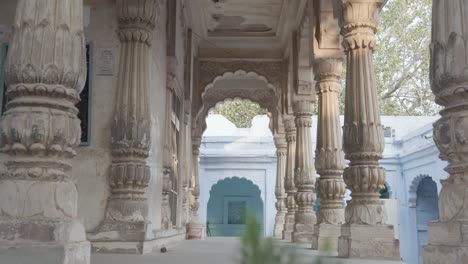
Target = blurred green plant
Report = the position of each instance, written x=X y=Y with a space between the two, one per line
x=258 y=250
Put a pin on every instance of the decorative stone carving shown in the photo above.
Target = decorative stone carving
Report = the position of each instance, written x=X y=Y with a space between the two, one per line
x=209 y=70
x=304 y=173
x=127 y=208
x=45 y=73
x=281 y=151
x=363 y=139
x=265 y=95
x=449 y=81
x=289 y=185
x=329 y=156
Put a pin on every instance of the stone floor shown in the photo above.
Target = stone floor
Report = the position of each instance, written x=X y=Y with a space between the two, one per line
x=213 y=250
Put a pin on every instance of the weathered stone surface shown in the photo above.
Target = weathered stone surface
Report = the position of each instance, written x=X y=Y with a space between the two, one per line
x=281 y=151
x=126 y=216
x=368 y=242
x=363 y=138
x=289 y=185
x=304 y=174
x=447 y=239
x=45 y=73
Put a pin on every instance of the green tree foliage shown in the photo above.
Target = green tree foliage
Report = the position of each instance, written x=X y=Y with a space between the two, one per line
x=402 y=58
x=258 y=250
x=239 y=112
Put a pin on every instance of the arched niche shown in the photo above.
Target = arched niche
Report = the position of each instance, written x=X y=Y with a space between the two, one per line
x=231 y=199
x=412 y=194
x=427 y=210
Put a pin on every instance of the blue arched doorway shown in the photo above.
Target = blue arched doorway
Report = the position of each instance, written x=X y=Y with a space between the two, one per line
x=427 y=209
x=230 y=199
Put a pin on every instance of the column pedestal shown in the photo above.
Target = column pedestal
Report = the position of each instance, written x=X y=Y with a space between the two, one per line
x=196 y=231
x=325 y=238
x=368 y=242
x=447 y=243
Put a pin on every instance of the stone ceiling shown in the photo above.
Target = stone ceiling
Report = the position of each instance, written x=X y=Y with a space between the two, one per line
x=246 y=28
x=242 y=17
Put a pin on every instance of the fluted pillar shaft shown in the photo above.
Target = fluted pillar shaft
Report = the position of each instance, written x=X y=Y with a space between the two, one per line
x=363 y=136
x=304 y=173
x=196 y=185
x=45 y=73
x=195 y=229
x=329 y=156
x=281 y=151
x=127 y=208
x=449 y=82
x=289 y=186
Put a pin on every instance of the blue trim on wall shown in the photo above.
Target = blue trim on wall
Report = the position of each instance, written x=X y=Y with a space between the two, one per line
x=2 y=73
x=89 y=73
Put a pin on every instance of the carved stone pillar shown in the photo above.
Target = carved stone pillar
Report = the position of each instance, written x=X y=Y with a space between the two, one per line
x=304 y=173
x=447 y=238
x=365 y=234
x=195 y=229
x=289 y=186
x=329 y=156
x=168 y=169
x=281 y=151
x=126 y=218
x=45 y=73
x=186 y=164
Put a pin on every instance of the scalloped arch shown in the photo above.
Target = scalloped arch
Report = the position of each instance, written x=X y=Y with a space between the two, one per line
x=237 y=178
x=239 y=73
x=266 y=96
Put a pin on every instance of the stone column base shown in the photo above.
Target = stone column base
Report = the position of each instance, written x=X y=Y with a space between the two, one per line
x=303 y=233
x=288 y=227
x=368 y=242
x=278 y=229
x=50 y=253
x=43 y=241
x=196 y=231
x=325 y=238
x=113 y=241
x=447 y=243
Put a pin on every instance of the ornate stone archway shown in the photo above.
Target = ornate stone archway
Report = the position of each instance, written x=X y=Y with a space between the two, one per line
x=257 y=81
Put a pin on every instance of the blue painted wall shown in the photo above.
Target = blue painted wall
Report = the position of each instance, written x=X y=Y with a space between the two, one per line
x=232 y=190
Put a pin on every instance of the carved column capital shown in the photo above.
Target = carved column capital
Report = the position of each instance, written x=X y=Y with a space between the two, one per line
x=360 y=20
x=136 y=20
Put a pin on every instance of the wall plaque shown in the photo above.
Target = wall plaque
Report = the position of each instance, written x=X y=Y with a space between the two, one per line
x=105 y=62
